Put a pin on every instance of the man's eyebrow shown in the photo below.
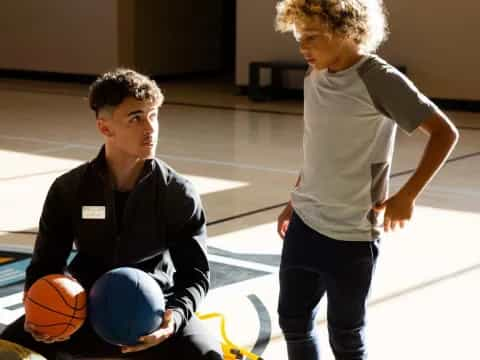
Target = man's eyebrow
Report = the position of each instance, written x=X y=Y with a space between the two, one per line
x=136 y=112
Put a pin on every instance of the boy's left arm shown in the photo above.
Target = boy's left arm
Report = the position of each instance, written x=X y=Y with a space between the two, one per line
x=442 y=139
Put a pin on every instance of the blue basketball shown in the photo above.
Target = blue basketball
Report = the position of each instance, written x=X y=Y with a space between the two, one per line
x=125 y=304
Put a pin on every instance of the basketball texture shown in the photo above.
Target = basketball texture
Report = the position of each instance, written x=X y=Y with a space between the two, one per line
x=124 y=304
x=56 y=305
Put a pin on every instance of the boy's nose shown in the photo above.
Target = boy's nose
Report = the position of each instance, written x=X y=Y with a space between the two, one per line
x=149 y=127
x=304 y=52
x=303 y=48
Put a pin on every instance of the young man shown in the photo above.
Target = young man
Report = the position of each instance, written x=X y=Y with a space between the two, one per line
x=126 y=208
x=354 y=102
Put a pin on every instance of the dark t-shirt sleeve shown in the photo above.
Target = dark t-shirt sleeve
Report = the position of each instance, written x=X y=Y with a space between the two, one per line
x=395 y=96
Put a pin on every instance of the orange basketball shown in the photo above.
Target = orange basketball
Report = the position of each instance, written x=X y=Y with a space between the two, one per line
x=56 y=305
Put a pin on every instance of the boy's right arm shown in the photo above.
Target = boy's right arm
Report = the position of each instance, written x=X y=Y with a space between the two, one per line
x=283 y=219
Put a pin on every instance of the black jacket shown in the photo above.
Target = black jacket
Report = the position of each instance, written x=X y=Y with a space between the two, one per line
x=164 y=232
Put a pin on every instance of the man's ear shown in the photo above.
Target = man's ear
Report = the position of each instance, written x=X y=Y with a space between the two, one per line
x=103 y=127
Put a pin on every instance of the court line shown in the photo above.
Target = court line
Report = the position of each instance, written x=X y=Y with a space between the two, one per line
x=165 y=156
x=233 y=108
x=229 y=164
x=25 y=176
x=206 y=106
x=249 y=213
x=406 y=172
x=265 y=321
x=51 y=150
x=37 y=140
x=238 y=216
x=10 y=300
x=277 y=206
x=409 y=290
x=425 y=284
x=169 y=103
x=206 y=161
x=265 y=111
x=40 y=91
x=19 y=232
x=449 y=161
x=42 y=151
x=16 y=298
x=243 y=263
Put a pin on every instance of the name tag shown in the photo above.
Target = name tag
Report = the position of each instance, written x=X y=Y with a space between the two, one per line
x=93 y=212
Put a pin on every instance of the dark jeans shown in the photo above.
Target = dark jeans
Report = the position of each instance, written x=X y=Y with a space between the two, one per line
x=312 y=265
x=193 y=342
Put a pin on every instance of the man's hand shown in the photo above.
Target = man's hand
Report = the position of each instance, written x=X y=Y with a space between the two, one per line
x=283 y=220
x=38 y=336
x=155 y=338
x=398 y=211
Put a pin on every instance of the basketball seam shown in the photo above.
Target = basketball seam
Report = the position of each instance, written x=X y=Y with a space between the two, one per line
x=50 y=325
x=110 y=315
x=61 y=295
x=136 y=305
x=50 y=309
x=71 y=318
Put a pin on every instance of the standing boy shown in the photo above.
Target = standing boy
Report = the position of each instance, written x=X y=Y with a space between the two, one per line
x=354 y=101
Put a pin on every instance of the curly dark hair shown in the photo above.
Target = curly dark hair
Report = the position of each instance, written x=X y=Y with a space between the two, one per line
x=111 y=88
x=364 y=21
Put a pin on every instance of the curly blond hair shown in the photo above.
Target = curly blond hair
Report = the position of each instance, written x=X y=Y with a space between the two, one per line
x=364 y=21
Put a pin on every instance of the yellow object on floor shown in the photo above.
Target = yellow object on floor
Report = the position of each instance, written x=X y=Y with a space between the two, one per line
x=11 y=351
x=230 y=350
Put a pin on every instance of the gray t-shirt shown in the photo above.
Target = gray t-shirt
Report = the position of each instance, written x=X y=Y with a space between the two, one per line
x=351 y=119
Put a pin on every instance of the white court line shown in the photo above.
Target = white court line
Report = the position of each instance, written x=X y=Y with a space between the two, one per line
x=243 y=263
x=226 y=163
x=51 y=150
x=21 y=138
x=9 y=316
x=23 y=249
x=10 y=300
x=43 y=151
x=165 y=156
x=449 y=190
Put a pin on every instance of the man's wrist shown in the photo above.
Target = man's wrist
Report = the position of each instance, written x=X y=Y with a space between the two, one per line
x=177 y=320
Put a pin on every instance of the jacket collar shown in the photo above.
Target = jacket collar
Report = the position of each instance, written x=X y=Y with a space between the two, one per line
x=99 y=165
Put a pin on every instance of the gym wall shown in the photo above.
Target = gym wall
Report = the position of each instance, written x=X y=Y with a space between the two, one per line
x=64 y=36
x=88 y=37
x=436 y=40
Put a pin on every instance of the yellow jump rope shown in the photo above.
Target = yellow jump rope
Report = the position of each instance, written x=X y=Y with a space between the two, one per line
x=230 y=350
